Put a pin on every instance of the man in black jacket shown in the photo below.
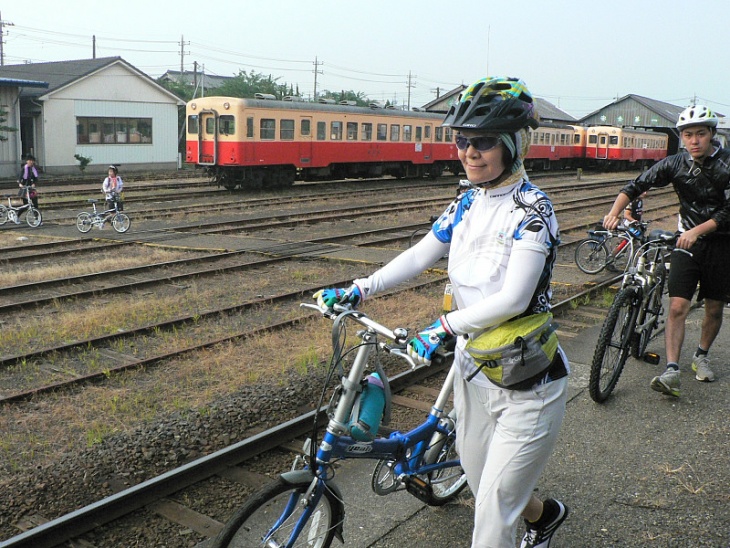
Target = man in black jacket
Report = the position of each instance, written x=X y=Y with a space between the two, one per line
x=700 y=175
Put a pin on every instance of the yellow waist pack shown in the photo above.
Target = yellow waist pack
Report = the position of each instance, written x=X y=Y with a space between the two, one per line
x=516 y=353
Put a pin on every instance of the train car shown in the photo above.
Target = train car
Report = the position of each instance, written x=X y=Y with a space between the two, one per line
x=269 y=143
x=611 y=147
x=556 y=146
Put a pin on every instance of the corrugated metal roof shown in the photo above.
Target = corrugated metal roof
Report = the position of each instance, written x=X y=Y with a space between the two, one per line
x=16 y=82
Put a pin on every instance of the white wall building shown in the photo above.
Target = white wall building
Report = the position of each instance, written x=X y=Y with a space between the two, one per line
x=103 y=109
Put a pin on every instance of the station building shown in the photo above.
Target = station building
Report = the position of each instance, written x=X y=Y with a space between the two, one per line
x=104 y=109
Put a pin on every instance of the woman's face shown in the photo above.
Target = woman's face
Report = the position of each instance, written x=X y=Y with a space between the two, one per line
x=481 y=166
x=111 y=173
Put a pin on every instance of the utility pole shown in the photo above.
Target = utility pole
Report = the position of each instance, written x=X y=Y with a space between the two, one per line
x=316 y=71
x=410 y=85
x=183 y=43
x=93 y=46
x=3 y=24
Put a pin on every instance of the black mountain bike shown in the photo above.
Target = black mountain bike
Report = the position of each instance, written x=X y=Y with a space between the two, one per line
x=634 y=315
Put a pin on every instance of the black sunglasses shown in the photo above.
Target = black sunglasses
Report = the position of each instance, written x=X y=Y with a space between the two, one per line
x=482 y=144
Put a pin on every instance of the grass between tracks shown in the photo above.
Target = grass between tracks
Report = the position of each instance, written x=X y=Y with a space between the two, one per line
x=41 y=431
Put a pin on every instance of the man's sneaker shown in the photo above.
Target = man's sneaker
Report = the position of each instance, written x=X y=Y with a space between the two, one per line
x=701 y=366
x=667 y=383
x=540 y=538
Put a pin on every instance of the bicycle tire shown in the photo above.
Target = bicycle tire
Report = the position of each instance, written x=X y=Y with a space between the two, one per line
x=591 y=256
x=3 y=214
x=121 y=222
x=33 y=217
x=446 y=483
x=652 y=306
x=247 y=527
x=84 y=222
x=612 y=348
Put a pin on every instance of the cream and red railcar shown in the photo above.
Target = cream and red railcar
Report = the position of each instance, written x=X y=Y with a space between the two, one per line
x=617 y=148
x=258 y=143
x=556 y=146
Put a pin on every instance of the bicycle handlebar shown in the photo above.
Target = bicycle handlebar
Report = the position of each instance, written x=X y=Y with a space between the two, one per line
x=399 y=335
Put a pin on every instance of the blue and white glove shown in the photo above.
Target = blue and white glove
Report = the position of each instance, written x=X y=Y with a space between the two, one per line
x=327 y=298
x=424 y=345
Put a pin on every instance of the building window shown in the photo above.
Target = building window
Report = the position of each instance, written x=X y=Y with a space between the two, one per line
x=267 y=129
x=366 y=132
x=110 y=131
x=286 y=131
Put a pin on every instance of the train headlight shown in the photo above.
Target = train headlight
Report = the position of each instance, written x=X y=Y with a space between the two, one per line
x=193 y=106
x=226 y=106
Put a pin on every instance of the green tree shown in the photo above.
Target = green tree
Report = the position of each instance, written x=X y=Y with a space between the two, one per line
x=358 y=96
x=3 y=128
x=248 y=84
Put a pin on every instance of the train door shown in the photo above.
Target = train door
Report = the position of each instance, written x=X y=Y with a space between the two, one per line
x=602 y=146
x=305 y=140
x=208 y=138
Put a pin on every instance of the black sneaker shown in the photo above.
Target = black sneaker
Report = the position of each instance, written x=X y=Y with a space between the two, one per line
x=540 y=538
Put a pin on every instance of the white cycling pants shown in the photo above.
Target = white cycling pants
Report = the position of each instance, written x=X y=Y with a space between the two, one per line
x=504 y=439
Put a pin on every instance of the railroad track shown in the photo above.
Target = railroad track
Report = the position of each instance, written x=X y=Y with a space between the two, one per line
x=161 y=496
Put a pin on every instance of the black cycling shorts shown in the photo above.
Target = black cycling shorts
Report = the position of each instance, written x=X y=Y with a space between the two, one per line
x=708 y=265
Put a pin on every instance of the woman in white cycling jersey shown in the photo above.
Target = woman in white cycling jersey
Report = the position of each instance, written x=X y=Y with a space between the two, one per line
x=502 y=238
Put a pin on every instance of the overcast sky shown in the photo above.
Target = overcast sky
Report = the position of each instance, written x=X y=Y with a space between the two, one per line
x=578 y=54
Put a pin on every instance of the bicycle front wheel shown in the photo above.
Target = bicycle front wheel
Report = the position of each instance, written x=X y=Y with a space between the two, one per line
x=121 y=222
x=612 y=348
x=84 y=222
x=652 y=309
x=33 y=217
x=591 y=256
x=253 y=524
x=3 y=214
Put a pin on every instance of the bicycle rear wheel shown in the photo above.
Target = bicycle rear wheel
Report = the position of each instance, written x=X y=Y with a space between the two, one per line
x=121 y=222
x=256 y=518
x=591 y=256
x=84 y=222
x=33 y=217
x=3 y=214
x=652 y=307
x=446 y=483
x=612 y=348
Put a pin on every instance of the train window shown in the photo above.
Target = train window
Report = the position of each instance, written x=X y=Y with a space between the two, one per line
x=439 y=134
x=576 y=138
x=592 y=139
x=352 y=131
x=534 y=137
x=193 y=126
x=305 y=128
x=394 y=132
x=407 y=132
x=603 y=139
x=210 y=125
x=336 y=131
x=382 y=132
x=226 y=125
x=613 y=140
x=321 y=131
x=419 y=133
x=427 y=132
x=366 y=133
x=249 y=127
x=286 y=130
x=448 y=135
x=267 y=129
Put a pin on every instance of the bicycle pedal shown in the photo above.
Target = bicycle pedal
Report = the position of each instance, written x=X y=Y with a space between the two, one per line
x=651 y=358
x=419 y=488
